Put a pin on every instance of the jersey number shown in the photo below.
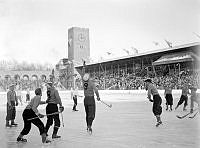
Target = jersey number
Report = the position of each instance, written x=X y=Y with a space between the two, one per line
x=85 y=85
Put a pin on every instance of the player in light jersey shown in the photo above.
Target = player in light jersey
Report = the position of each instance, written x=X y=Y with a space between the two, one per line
x=195 y=97
x=157 y=101
x=184 y=97
x=74 y=96
x=18 y=93
x=31 y=111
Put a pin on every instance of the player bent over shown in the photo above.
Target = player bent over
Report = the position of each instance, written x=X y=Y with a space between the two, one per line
x=157 y=101
x=89 y=101
x=31 y=111
x=53 y=99
x=184 y=97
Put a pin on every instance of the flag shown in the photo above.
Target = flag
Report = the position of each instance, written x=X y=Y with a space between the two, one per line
x=126 y=51
x=100 y=59
x=134 y=50
x=91 y=60
x=109 y=53
x=169 y=43
x=196 y=34
x=156 y=43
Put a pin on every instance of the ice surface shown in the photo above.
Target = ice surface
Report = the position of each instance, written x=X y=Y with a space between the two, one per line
x=128 y=124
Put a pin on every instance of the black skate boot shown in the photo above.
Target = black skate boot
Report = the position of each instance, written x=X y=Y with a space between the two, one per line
x=170 y=108
x=44 y=138
x=55 y=131
x=89 y=129
x=158 y=123
x=13 y=123
x=47 y=141
x=166 y=107
x=21 y=139
x=7 y=124
x=184 y=108
x=55 y=136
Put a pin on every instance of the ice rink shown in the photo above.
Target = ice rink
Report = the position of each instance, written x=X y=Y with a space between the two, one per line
x=128 y=124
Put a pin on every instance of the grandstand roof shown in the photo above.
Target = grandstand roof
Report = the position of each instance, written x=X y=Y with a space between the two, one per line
x=174 y=58
x=146 y=53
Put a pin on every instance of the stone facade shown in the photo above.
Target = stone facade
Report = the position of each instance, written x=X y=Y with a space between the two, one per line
x=22 y=74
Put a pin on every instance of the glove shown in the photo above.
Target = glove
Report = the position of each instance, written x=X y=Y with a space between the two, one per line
x=98 y=99
x=150 y=100
x=47 y=101
x=40 y=115
x=61 y=108
x=191 y=110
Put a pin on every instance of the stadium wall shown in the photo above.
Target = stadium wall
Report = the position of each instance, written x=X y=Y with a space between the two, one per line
x=108 y=95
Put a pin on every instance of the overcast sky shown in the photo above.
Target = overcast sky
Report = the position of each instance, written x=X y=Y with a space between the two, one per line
x=36 y=30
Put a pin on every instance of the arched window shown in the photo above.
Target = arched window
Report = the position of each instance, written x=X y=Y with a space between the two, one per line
x=34 y=77
x=7 y=77
x=43 y=77
x=26 y=77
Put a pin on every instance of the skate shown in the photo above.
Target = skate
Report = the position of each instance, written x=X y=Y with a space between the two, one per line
x=21 y=140
x=158 y=123
x=89 y=130
x=14 y=124
x=166 y=107
x=184 y=109
x=55 y=136
x=8 y=125
x=47 y=141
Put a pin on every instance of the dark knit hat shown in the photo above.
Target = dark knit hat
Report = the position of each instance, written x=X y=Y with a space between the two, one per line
x=38 y=91
x=148 y=80
x=49 y=83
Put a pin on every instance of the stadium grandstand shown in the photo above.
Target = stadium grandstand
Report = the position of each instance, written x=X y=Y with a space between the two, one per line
x=177 y=65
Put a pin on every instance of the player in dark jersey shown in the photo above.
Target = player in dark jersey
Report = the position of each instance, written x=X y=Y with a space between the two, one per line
x=11 y=103
x=168 y=96
x=53 y=99
x=89 y=101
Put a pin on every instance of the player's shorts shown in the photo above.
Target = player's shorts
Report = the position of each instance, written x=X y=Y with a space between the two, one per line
x=169 y=99
x=157 y=101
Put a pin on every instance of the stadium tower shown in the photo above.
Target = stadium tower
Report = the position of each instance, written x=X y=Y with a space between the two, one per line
x=78 y=47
